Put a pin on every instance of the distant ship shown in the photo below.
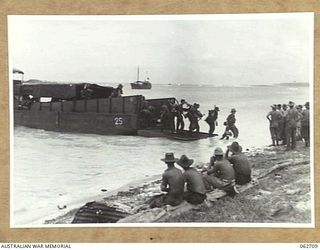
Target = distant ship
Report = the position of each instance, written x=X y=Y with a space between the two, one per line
x=146 y=84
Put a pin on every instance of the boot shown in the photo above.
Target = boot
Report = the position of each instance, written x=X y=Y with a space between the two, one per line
x=272 y=144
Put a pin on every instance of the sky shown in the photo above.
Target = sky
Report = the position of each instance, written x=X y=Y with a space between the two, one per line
x=202 y=49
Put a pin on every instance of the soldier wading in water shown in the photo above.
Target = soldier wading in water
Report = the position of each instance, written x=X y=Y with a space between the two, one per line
x=212 y=119
x=230 y=126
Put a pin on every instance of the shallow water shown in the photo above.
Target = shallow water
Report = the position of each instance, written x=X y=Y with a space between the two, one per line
x=55 y=169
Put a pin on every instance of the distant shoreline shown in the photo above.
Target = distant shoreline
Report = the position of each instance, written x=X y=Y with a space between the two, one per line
x=284 y=84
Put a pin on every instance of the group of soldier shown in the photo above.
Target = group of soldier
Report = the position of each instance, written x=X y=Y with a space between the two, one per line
x=224 y=172
x=287 y=125
x=192 y=113
x=173 y=114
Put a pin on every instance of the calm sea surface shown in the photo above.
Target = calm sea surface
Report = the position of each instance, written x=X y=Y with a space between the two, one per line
x=53 y=169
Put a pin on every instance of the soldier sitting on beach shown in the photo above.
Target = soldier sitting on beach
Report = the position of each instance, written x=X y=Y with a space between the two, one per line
x=240 y=163
x=172 y=183
x=220 y=174
x=196 y=190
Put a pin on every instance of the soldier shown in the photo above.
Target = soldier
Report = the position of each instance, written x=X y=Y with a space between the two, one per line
x=298 y=133
x=118 y=91
x=180 y=108
x=166 y=118
x=221 y=174
x=172 y=183
x=196 y=191
x=274 y=118
x=292 y=118
x=283 y=124
x=240 y=163
x=230 y=125
x=305 y=125
x=148 y=115
x=194 y=115
x=212 y=119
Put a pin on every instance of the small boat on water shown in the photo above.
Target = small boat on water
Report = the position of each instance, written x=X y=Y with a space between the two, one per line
x=146 y=84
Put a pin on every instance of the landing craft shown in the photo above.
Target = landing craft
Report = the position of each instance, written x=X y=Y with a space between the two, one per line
x=91 y=108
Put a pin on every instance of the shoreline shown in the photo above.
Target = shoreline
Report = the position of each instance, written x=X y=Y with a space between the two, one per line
x=132 y=196
x=126 y=187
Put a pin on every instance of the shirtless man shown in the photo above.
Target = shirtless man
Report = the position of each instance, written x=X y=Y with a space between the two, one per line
x=196 y=191
x=172 y=183
x=221 y=174
x=240 y=163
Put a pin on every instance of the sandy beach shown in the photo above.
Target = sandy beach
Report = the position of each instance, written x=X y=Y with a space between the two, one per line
x=280 y=193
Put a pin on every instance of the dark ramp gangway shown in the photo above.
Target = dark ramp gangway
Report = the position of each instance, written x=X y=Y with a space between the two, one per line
x=96 y=212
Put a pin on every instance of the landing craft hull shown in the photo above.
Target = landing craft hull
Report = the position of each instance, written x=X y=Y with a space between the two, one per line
x=90 y=123
x=107 y=116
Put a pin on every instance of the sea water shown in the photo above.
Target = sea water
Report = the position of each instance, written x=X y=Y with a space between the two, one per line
x=54 y=172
